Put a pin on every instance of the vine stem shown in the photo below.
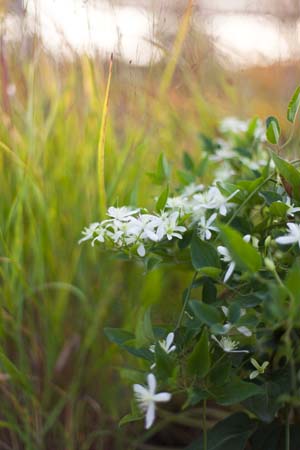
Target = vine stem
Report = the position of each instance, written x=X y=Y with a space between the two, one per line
x=204 y=427
x=186 y=299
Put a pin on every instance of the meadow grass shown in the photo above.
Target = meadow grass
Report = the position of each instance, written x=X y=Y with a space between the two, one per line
x=59 y=384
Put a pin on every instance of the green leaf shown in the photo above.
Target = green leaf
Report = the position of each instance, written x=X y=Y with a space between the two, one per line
x=292 y=282
x=235 y=391
x=293 y=106
x=273 y=130
x=144 y=332
x=162 y=200
x=162 y=173
x=188 y=162
x=165 y=365
x=231 y=433
x=212 y=272
x=118 y=336
x=126 y=341
x=243 y=253
x=278 y=209
x=289 y=173
x=208 y=314
x=163 y=169
x=198 y=362
x=195 y=395
x=203 y=254
x=234 y=312
x=266 y=405
x=220 y=372
x=209 y=291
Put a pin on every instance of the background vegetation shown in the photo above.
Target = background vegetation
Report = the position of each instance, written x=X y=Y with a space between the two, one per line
x=59 y=384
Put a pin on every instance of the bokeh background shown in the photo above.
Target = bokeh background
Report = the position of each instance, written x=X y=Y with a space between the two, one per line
x=179 y=67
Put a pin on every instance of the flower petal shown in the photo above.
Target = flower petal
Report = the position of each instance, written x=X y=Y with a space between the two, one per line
x=150 y=415
x=245 y=331
x=169 y=340
x=140 y=390
x=285 y=240
x=162 y=397
x=229 y=272
x=254 y=374
x=151 y=383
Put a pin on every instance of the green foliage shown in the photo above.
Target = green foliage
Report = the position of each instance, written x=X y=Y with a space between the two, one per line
x=203 y=254
x=198 y=363
x=162 y=199
x=243 y=253
x=273 y=130
x=207 y=314
x=293 y=106
x=230 y=434
x=290 y=175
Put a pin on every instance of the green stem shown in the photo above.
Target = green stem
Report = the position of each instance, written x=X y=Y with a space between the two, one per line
x=186 y=299
x=204 y=428
x=287 y=430
x=249 y=197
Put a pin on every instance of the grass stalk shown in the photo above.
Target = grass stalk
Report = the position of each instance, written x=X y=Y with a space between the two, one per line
x=101 y=144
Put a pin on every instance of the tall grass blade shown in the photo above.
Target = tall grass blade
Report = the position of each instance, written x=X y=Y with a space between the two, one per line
x=101 y=144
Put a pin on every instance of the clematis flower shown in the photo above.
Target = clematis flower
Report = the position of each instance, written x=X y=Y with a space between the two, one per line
x=228 y=326
x=213 y=199
x=226 y=257
x=228 y=345
x=166 y=344
x=90 y=232
x=233 y=125
x=123 y=213
x=205 y=227
x=260 y=369
x=168 y=227
x=292 y=237
x=147 y=398
x=292 y=209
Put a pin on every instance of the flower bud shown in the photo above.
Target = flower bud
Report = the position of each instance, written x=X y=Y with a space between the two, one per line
x=270 y=264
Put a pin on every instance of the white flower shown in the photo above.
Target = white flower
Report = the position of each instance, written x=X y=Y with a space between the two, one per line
x=233 y=125
x=291 y=208
x=225 y=152
x=223 y=172
x=89 y=232
x=144 y=226
x=226 y=257
x=166 y=344
x=146 y=398
x=213 y=199
x=260 y=369
x=228 y=345
x=179 y=203
x=251 y=240
x=228 y=325
x=292 y=237
x=167 y=227
x=123 y=213
x=191 y=189
x=205 y=227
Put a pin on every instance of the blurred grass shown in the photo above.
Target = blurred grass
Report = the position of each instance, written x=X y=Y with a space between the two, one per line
x=63 y=389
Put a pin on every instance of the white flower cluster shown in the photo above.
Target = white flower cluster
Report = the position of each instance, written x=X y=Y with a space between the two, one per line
x=128 y=227
x=237 y=126
x=136 y=228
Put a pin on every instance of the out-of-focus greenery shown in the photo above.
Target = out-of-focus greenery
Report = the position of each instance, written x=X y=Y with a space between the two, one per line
x=59 y=384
